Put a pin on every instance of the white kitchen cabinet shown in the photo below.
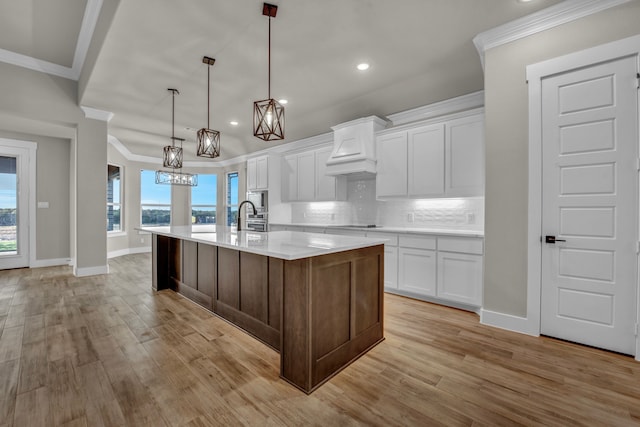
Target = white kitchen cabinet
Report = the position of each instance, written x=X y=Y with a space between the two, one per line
x=460 y=269
x=306 y=176
x=305 y=179
x=417 y=271
x=290 y=178
x=390 y=258
x=465 y=157
x=391 y=176
x=328 y=188
x=426 y=161
x=460 y=277
x=441 y=159
x=258 y=173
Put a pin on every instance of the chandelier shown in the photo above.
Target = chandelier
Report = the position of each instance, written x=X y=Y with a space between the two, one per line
x=172 y=156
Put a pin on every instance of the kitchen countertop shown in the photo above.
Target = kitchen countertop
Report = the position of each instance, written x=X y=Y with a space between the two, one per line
x=398 y=230
x=288 y=245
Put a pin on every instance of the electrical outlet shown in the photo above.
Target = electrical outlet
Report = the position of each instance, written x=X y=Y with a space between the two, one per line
x=471 y=217
x=410 y=217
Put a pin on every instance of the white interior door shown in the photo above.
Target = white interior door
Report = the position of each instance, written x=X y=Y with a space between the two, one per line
x=589 y=196
x=14 y=207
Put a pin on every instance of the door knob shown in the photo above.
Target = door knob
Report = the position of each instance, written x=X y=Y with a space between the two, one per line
x=552 y=239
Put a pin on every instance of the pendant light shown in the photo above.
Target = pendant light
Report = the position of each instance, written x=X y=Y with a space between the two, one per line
x=172 y=156
x=208 y=139
x=268 y=114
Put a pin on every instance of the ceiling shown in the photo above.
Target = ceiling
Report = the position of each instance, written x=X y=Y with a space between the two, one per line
x=420 y=51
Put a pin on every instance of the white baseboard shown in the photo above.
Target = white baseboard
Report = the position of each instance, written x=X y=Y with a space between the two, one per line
x=50 y=262
x=129 y=251
x=507 y=321
x=90 y=271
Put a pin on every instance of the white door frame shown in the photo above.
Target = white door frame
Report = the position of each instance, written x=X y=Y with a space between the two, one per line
x=535 y=73
x=30 y=191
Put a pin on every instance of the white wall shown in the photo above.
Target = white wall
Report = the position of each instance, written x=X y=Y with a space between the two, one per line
x=40 y=104
x=506 y=115
x=52 y=179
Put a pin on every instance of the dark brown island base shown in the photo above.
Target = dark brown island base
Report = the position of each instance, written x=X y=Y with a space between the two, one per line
x=321 y=312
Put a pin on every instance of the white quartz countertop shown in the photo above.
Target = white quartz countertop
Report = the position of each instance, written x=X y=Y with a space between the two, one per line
x=385 y=229
x=288 y=245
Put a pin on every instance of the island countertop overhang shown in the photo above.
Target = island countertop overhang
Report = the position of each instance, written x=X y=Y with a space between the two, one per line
x=287 y=245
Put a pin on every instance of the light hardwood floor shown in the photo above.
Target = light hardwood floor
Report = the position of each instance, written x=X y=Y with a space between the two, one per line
x=106 y=350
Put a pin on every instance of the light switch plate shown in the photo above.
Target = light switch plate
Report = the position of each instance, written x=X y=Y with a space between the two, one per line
x=43 y=205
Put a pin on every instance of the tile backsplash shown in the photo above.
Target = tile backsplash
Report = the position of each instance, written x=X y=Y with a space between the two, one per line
x=362 y=208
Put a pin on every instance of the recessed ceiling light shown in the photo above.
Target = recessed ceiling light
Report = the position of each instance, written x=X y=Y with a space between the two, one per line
x=524 y=1
x=362 y=67
x=283 y=101
x=233 y=123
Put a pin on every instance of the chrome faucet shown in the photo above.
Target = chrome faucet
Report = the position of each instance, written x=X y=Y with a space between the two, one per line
x=240 y=208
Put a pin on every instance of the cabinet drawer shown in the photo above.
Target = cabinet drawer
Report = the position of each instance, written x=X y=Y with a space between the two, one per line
x=462 y=245
x=418 y=242
x=392 y=239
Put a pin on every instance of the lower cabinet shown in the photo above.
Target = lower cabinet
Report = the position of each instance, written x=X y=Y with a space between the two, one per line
x=417 y=271
x=460 y=277
x=445 y=269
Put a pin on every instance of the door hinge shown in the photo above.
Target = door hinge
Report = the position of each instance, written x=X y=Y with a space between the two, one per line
x=637 y=248
x=636 y=331
x=638 y=164
x=638 y=80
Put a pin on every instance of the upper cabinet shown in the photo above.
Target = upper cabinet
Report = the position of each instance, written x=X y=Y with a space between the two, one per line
x=258 y=173
x=441 y=159
x=465 y=157
x=305 y=179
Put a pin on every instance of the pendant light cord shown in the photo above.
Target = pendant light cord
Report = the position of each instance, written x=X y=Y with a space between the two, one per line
x=269 y=78
x=173 y=118
x=208 y=93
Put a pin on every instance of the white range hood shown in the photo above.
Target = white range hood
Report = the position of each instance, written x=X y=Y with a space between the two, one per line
x=354 y=147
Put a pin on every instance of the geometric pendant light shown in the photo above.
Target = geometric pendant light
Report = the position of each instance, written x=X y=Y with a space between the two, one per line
x=208 y=139
x=268 y=114
x=172 y=155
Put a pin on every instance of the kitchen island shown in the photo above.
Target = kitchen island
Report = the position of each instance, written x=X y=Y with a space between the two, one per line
x=315 y=298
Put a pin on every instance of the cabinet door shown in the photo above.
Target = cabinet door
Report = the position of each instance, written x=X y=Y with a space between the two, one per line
x=391 y=176
x=290 y=178
x=426 y=161
x=251 y=174
x=460 y=277
x=325 y=184
x=262 y=173
x=306 y=176
x=417 y=271
x=465 y=157
x=390 y=267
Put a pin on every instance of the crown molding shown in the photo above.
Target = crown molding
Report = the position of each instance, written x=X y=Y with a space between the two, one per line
x=449 y=106
x=556 y=15
x=94 y=113
x=89 y=21
x=127 y=154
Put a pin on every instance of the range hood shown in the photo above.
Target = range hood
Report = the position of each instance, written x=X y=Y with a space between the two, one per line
x=354 y=147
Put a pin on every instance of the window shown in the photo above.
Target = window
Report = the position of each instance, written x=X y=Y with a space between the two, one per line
x=155 y=200
x=232 y=198
x=204 y=197
x=114 y=198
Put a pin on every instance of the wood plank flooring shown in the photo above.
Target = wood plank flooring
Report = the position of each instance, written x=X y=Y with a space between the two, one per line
x=107 y=351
